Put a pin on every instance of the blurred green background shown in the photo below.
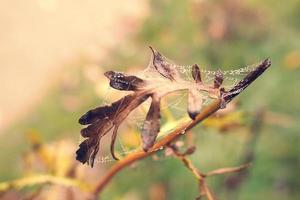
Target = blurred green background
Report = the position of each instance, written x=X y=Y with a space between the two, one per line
x=214 y=34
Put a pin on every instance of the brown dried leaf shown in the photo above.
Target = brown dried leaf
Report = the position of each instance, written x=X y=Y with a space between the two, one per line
x=121 y=81
x=108 y=111
x=102 y=120
x=218 y=79
x=246 y=81
x=194 y=103
x=97 y=128
x=89 y=148
x=151 y=125
x=166 y=69
x=112 y=144
x=196 y=73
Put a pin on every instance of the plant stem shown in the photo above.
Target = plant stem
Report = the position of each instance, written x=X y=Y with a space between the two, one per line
x=205 y=113
x=133 y=157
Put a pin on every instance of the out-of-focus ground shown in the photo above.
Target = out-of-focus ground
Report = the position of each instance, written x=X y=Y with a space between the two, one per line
x=38 y=38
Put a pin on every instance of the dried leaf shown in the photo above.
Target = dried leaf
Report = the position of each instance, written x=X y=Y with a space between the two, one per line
x=166 y=69
x=195 y=101
x=196 y=73
x=218 y=79
x=121 y=81
x=245 y=82
x=151 y=125
x=88 y=149
x=112 y=144
x=102 y=120
x=96 y=128
x=85 y=150
x=105 y=118
x=107 y=111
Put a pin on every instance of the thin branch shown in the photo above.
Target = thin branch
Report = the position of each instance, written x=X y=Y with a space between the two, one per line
x=206 y=112
x=227 y=170
x=203 y=188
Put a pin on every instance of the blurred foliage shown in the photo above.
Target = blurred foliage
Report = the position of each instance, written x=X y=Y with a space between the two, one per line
x=213 y=34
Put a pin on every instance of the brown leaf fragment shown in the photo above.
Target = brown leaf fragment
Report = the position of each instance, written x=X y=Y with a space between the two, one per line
x=107 y=111
x=163 y=67
x=94 y=153
x=196 y=73
x=112 y=144
x=87 y=151
x=138 y=99
x=194 y=103
x=96 y=128
x=245 y=82
x=89 y=147
x=120 y=81
x=82 y=152
x=151 y=125
x=218 y=79
x=223 y=102
x=102 y=120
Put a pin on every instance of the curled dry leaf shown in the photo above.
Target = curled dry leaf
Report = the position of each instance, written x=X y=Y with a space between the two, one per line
x=196 y=73
x=195 y=101
x=218 y=79
x=163 y=67
x=151 y=125
x=120 y=81
x=245 y=82
x=103 y=119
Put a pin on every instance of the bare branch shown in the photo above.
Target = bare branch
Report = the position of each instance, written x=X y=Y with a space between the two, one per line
x=227 y=170
x=203 y=188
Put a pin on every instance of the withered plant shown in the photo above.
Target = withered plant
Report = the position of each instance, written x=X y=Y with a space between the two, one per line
x=103 y=119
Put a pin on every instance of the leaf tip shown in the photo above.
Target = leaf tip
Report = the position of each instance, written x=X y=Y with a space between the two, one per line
x=193 y=115
x=84 y=119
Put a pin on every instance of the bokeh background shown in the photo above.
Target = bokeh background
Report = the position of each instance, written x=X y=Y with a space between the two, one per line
x=52 y=57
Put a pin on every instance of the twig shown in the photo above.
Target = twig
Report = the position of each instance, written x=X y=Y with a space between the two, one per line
x=203 y=188
x=227 y=170
x=207 y=111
